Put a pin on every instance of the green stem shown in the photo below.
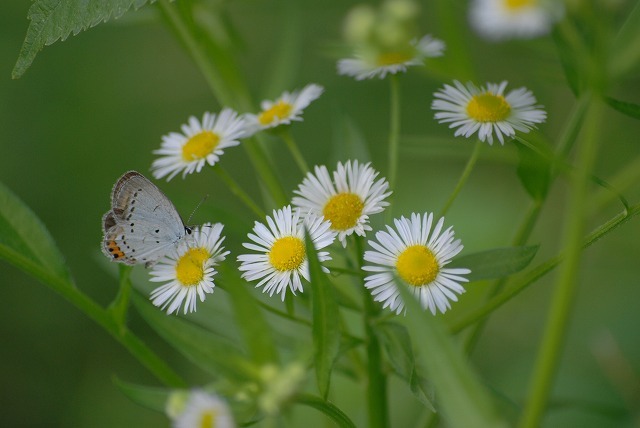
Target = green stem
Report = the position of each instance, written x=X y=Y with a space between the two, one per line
x=185 y=33
x=237 y=190
x=348 y=271
x=118 y=308
x=295 y=151
x=541 y=270
x=326 y=407
x=521 y=238
x=104 y=318
x=463 y=178
x=566 y=286
x=377 y=383
x=566 y=141
x=226 y=87
x=394 y=130
x=285 y=315
x=265 y=171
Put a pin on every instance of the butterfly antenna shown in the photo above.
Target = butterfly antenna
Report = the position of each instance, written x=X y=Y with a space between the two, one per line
x=196 y=208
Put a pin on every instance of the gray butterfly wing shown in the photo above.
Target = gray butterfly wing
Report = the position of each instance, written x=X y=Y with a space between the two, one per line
x=142 y=225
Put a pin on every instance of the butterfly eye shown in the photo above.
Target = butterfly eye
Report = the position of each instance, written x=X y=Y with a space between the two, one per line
x=188 y=230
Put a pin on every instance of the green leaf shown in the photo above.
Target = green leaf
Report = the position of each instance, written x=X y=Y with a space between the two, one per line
x=151 y=398
x=326 y=407
x=326 y=329
x=53 y=20
x=397 y=343
x=495 y=263
x=629 y=109
x=212 y=353
x=24 y=237
x=534 y=168
x=459 y=393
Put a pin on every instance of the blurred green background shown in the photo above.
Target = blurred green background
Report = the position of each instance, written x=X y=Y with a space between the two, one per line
x=96 y=105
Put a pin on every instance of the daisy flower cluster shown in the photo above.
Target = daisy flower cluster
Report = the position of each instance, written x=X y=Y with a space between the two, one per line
x=202 y=142
x=333 y=206
x=329 y=205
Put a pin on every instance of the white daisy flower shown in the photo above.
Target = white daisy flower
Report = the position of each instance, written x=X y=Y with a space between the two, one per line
x=200 y=143
x=487 y=110
x=282 y=257
x=204 y=410
x=416 y=255
x=347 y=201
x=284 y=110
x=502 y=19
x=368 y=66
x=189 y=272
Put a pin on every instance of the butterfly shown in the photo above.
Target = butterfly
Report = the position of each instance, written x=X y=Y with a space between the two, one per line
x=142 y=225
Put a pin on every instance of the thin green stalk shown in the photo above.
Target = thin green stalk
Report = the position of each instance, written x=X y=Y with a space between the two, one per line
x=118 y=308
x=566 y=286
x=226 y=87
x=521 y=238
x=295 y=151
x=326 y=407
x=237 y=190
x=624 y=178
x=541 y=270
x=285 y=315
x=347 y=271
x=566 y=141
x=186 y=35
x=394 y=130
x=570 y=132
x=377 y=382
x=463 y=178
x=105 y=319
x=265 y=171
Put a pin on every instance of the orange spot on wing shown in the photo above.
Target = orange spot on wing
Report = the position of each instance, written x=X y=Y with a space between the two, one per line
x=115 y=250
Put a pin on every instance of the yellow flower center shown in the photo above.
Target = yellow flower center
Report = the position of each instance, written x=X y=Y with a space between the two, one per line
x=278 y=111
x=343 y=210
x=200 y=145
x=417 y=265
x=190 y=267
x=393 y=58
x=208 y=419
x=287 y=253
x=514 y=5
x=488 y=107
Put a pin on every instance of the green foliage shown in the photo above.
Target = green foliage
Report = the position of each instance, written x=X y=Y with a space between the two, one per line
x=210 y=352
x=53 y=20
x=460 y=395
x=396 y=340
x=628 y=109
x=257 y=332
x=24 y=240
x=149 y=397
x=495 y=263
x=326 y=329
x=253 y=364
x=329 y=409
x=626 y=48
x=534 y=168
